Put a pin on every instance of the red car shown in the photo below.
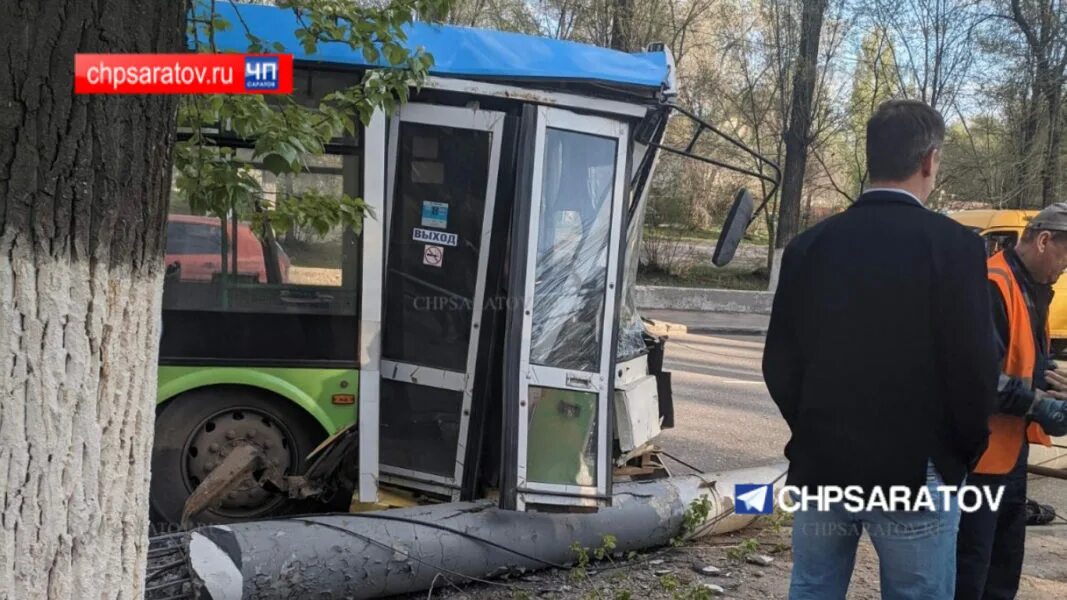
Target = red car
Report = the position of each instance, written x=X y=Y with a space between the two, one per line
x=195 y=244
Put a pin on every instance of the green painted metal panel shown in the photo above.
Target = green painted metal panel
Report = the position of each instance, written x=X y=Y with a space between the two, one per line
x=561 y=444
x=310 y=388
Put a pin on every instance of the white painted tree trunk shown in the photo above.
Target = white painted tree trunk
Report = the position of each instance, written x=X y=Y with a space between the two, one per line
x=78 y=347
x=776 y=269
x=83 y=200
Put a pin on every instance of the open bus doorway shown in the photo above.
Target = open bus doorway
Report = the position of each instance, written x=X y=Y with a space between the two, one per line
x=440 y=208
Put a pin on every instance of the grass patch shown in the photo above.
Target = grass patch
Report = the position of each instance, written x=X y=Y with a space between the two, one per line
x=754 y=235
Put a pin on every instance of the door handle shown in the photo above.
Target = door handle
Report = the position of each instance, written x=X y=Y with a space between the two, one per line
x=574 y=380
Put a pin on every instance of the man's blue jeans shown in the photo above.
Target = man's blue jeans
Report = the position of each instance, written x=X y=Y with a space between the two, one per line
x=916 y=550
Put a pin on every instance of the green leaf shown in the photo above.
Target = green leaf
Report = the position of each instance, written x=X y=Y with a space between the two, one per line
x=275 y=163
x=307 y=40
x=395 y=54
x=220 y=24
x=215 y=179
x=255 y=45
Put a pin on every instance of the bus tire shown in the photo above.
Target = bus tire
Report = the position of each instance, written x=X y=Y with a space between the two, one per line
x=196 y=429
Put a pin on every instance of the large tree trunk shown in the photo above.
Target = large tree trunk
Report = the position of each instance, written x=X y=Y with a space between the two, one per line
x=83 y=189
x=797 y=137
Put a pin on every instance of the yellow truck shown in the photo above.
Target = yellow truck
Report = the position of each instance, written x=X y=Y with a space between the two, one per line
x=1001 y=229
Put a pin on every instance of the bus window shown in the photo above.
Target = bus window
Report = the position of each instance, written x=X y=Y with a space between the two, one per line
x=306 y=257
x=298 y=260
x=186 y=237
x=241 y=291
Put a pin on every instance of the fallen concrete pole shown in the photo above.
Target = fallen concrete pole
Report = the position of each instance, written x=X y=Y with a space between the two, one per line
x=402 y=550
x=1047 y=471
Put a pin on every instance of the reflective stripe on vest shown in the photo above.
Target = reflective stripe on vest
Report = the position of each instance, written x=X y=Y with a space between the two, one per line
x=1007 y=432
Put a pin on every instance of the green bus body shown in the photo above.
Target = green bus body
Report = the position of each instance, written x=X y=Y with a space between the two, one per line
x=312 y=389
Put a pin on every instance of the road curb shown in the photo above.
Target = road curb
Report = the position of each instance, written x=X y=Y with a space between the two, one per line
x=713 y=330
x=703 y=299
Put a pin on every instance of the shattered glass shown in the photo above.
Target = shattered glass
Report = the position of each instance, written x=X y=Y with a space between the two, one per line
x=631 y=327
x=572 y=250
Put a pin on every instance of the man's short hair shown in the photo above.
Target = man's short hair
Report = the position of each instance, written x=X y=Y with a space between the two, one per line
x=899 y=134
x=1030 y=234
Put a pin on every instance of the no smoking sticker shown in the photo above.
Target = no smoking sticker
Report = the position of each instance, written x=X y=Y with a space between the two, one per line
x=433 y=256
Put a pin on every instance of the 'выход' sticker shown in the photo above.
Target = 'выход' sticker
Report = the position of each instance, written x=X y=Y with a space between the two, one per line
x=429 y=236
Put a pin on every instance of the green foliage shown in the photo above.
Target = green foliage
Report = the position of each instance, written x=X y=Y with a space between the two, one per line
x=284 y=133
x=874 y=80
x=315 y=211
x=583 y=556
x=743 y=550
x=581 y=561
x=779 y=519
x=694 y=591
x=607 y=545
x=978 y=164
x=695 y=515
x=668 y=582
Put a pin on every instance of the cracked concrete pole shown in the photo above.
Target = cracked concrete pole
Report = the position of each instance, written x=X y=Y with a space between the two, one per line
x=400 y=551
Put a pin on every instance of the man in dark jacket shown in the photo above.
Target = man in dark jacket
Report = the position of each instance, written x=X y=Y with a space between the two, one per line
x=879 y=357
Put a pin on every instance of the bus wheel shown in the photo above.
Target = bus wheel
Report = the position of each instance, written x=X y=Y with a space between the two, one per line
x=196 y=430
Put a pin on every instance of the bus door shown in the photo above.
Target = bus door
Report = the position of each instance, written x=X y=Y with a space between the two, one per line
x=442 y=185
x=559 y=403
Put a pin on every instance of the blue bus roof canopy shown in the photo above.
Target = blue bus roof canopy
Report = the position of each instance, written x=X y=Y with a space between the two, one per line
x=460 y=52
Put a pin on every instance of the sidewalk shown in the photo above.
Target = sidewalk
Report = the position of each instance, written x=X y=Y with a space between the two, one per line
x=675 y=322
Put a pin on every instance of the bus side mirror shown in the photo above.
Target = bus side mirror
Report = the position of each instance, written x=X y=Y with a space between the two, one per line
x=733 y=229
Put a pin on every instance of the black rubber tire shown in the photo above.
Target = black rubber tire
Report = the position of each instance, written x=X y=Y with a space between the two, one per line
x=179 y=419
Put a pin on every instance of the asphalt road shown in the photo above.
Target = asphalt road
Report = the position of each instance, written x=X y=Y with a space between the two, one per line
x=724 y=417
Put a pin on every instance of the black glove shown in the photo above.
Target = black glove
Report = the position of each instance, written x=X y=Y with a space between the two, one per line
x=1050 y=414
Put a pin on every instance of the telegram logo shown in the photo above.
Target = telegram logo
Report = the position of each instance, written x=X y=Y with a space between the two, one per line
x=753 y=498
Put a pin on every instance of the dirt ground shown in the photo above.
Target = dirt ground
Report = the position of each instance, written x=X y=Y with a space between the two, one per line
x=671 y=573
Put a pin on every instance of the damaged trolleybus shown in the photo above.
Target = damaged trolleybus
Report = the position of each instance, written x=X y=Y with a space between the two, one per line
x=478 y=337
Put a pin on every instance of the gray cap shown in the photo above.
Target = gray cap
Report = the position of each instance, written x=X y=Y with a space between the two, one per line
x=1051 y=218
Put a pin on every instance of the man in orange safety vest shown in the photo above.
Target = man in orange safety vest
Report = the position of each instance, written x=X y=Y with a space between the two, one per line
x=989 y=551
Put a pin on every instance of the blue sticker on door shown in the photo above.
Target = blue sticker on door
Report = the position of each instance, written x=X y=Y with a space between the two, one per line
x=435 y=214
